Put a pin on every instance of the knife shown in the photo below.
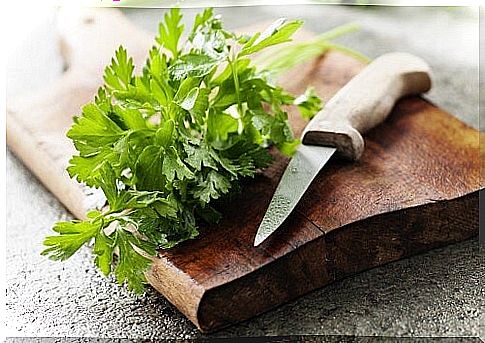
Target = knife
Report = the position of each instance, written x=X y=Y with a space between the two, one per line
x=363 y=103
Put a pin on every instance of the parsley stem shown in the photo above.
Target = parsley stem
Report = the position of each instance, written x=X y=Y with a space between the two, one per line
x=350 y=52
x=279 y=60
x=236 y=83
x=337 y=32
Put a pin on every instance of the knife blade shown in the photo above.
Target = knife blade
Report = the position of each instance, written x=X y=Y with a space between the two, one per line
x=363 y=103
x=302 y=169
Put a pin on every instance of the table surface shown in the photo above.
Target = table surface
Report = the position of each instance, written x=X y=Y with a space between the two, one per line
x=434 y=294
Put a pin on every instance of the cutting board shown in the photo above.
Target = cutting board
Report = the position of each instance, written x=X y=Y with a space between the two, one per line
x=415 y=188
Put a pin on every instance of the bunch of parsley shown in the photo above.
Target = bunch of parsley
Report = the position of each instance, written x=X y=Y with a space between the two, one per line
x=164 y=144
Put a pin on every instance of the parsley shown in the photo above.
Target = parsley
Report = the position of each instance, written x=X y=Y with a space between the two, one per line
x=164 y=144
x=290 y=55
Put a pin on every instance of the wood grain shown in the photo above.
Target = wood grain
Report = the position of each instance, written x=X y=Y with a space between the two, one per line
x=414 y=189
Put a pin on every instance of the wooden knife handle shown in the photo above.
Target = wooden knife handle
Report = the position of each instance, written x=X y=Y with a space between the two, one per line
x=365 y=101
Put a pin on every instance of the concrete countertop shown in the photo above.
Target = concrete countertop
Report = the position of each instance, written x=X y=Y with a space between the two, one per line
x=434 y=294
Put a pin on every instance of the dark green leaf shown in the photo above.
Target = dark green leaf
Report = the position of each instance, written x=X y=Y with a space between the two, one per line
x=174 y=167
x=212 y=186
x=198 y=156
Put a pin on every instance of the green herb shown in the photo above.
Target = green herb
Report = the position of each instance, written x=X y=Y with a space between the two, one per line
x=164 y=144
x=288 y=56
x=308 y=103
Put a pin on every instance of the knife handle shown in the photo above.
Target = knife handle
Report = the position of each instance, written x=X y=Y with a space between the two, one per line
x=365 y=101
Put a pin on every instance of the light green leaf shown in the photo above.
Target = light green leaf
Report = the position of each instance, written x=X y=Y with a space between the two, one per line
x=93 y=130
x=201 y=105
x=118 y=75
x=308 y=103
x=188 y=102
x=159 y=93
x=220 y=125
x=103 y=249
x=201 y=19
x=288 y=148
x=148 y=170
x=277 y=33
x=131 y=117
x=170 y=31
x=242 y=64
x=192 y=65
x=72 y=236
x=164 y=135
x=185 y=88
x=131 y=264
x=88 y=169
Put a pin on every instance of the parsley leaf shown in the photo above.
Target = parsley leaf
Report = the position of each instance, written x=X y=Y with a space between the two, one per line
x=131 y=264
x=118 y=75
x=308 y=103
x=72 y=235
x=277 y=33
x=170 y=31
x=192 y=65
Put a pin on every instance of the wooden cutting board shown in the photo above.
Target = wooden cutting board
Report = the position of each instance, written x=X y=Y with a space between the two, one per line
x=415 y=188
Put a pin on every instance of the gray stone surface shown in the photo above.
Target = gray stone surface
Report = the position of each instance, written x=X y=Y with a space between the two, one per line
x=434 y=294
